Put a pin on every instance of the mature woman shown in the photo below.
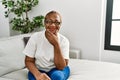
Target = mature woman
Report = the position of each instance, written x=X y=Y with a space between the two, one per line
x=47 y=52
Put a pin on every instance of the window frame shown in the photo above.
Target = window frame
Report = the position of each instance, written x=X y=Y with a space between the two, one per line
x=107 y=45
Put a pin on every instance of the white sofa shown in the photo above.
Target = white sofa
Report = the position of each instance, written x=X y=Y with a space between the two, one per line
x=12 y=65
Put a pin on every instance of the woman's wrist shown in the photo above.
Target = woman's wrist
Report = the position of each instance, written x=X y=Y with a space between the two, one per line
x=37 y=74
x=56 y=45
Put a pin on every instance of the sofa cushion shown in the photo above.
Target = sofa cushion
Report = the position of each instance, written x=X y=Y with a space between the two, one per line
x=11 y=63
x=12 y=46
x=11 y=56
x=17 y=75
x=5 y=79
x=4 y=70
x=2 y=53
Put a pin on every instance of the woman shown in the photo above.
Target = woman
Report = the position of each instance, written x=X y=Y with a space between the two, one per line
x=47 y=52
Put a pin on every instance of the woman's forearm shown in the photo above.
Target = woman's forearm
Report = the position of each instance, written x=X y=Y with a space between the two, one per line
x=30 y=64
x=59 y=60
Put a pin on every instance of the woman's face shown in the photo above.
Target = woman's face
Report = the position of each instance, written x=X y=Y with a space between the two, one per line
x=53 y=22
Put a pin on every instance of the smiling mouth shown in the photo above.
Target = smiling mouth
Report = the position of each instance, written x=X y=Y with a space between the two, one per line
x=52 y=29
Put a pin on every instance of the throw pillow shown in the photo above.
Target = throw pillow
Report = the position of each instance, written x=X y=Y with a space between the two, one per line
x=26 y=40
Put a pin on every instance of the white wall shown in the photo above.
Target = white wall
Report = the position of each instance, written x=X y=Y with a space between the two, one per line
x=84 y=25
x=81 y=23
x=4 y=23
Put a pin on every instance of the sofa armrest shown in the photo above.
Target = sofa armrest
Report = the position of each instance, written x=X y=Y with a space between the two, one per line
x=75 y=54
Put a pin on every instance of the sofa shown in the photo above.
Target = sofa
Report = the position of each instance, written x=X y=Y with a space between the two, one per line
x=12 y=65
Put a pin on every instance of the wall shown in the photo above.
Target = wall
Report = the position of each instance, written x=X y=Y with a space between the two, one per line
x=81 y=23
x=84 y=25
x=4 y=23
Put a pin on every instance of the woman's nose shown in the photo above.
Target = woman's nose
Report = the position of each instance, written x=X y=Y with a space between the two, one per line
x=53 y=24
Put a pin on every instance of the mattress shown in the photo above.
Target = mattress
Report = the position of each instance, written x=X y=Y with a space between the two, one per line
x=93 y=70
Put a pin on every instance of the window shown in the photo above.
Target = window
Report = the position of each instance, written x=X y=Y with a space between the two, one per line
x=112 y=31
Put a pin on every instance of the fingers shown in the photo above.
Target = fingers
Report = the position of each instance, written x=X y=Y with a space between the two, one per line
x=43 y=76
x=48 y=32
x=56 y=32
x=46 y=77
x=52 y=38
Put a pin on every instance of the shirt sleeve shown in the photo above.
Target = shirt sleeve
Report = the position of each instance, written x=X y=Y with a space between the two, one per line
x=65 y=48
x=30 y=48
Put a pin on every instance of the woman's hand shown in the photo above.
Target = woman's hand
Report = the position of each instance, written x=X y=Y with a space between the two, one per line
x=52 y=38
x=42 y=76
